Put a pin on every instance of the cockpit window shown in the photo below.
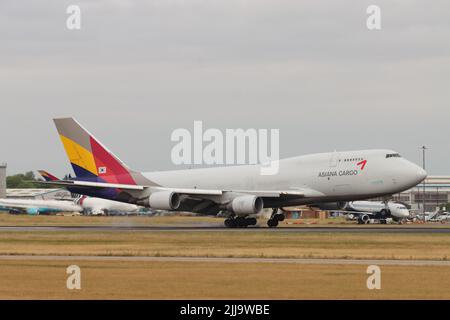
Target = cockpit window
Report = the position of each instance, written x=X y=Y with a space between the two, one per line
x=393 y=155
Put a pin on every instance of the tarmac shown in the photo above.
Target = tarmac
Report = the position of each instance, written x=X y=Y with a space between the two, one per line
x=219 y=228
x=229 y=260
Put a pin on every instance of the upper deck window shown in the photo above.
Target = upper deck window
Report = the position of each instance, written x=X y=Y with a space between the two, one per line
x=393 y=155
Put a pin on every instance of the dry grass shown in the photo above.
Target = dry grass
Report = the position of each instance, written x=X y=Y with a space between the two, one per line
x=229 y=244
x=49 y=220
x=52 y=220
x=175 y=280
x=212 y=280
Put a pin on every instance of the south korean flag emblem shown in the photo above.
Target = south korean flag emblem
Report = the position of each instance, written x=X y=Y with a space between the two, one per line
x=102 y=170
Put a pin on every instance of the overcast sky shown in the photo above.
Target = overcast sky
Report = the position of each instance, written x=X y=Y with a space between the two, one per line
x=137 y=70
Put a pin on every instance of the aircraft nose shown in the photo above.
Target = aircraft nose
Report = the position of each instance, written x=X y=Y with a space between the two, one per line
x=421 y=174
x=410 y=174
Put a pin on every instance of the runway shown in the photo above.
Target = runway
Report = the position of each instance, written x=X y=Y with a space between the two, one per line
x=230 y=260
x=219 y=228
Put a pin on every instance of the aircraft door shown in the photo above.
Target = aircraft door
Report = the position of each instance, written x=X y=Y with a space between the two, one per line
x=334 y=159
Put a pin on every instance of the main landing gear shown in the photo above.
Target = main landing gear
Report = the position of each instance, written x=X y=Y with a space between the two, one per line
x=275 y=218
x=240 y=222
x=244 y=222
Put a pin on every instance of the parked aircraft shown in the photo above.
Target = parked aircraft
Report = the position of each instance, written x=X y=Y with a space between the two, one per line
x=365 y=211
x=95 y=206
x=81 y=204
x=36 y=207
x=324 y=179
x=437 y=216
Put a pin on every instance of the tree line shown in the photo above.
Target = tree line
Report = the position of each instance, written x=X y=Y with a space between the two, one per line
x=25 y=181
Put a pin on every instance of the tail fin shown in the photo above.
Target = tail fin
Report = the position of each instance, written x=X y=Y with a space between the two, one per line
x=47 y=176
x=89 y=158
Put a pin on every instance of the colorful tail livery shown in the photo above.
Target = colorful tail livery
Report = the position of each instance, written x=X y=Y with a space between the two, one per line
x=90 y=160
x=47 y=176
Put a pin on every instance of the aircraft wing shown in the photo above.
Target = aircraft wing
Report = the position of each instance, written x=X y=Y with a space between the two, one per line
x=89 y=184
x=17 y=204
x=293 y=193
x=296 y=193
x=259 y=193
x=356 y=213
x=9 y=206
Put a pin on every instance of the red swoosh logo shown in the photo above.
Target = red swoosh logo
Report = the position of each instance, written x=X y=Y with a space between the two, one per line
x=362 y=164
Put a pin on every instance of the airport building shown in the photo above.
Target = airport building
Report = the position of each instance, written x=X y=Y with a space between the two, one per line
x=2 y=180
x=30 y=194
x=435 y=190
x=38 y=194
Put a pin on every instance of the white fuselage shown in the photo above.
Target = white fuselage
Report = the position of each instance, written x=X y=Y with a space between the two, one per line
x=41 y=205
x=94 y=206
x=98 y=206
x=335 y=176
x=397 y=210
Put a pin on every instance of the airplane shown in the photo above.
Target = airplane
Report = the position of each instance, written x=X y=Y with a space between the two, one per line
x=443 y=217
x=37 y=207
x=98 y=206
x=325 y=180
x=95 y=206
x=364 y=211
x=81 y=204
x=437 y=216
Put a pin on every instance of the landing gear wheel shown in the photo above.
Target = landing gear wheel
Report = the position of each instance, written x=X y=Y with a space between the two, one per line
x=272 y=223
x=241 y=222
x=251 y=221
x=385 y=213
x=275 y=218
x=230 y=223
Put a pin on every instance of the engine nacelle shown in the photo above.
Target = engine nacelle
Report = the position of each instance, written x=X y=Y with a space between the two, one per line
x=364 y=219
x=244 y=205
x=162 y=200
x=330 y=205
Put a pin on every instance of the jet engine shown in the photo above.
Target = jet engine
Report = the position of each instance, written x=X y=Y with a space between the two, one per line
x=364 y=219
x=162 y=200
x=245 y=205
x=330 y=205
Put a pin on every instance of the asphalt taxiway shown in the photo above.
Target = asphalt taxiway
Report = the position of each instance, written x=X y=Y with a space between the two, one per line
x=219 y=228
x=229 y=260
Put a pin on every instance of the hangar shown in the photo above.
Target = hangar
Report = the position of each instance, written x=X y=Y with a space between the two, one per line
x=38 y=194
x=2 y=180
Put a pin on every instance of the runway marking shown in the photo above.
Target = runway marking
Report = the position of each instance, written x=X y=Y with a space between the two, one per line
x=231 y=260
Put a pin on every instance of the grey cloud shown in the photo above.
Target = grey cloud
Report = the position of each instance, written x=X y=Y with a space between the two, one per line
x=139 y=69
